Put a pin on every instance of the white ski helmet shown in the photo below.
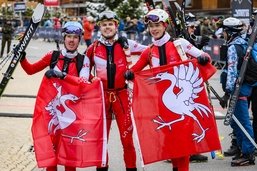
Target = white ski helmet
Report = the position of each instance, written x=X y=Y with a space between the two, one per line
x=232 y=24
x=156 y=16
x=72 y=27
x=191 y=20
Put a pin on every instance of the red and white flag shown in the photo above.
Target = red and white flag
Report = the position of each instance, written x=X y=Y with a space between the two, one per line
x=69 y=124
x=172 y=113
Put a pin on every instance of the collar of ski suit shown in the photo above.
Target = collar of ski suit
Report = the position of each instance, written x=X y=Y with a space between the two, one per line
x=69 y=54
x=108 y=42
x=162 y=40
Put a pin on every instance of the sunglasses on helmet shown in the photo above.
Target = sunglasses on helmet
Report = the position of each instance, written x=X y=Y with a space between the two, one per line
x=72 y=30
x=152 y=18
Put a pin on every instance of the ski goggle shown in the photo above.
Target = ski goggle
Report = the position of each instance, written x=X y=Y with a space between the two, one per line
x=107 y=15
x=72 y=30
x=152 y=18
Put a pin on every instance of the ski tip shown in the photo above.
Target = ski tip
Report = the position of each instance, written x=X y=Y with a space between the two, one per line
x=177 y=6
x=38 y=13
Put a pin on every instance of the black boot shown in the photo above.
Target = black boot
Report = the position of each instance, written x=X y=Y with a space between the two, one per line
x=237 y=156
x=234 y=149
x=245 y=160
x=198 y=158
x=131 y=169
x=175 y=169
x=102 y=169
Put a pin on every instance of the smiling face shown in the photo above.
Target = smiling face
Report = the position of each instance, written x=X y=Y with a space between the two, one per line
x=108 y=28
x=71 y=42
x=157 y=30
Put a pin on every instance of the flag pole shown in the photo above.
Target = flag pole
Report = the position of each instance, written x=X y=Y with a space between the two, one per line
x=135 y=134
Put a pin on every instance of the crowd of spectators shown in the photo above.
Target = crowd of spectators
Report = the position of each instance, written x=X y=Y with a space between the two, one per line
x=133 y=28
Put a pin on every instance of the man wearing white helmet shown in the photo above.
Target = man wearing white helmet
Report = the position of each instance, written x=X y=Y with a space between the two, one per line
x=110 y=57
x=69 y=65
x=163 y=52
x=235 y=53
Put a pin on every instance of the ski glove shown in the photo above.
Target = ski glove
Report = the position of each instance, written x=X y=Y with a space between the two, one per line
x=124 y=42
x=129 y=75
x=203 y=59
x=224 y=101
x=56 y=74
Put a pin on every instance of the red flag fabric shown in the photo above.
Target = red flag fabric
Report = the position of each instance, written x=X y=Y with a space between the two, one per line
x=69 y=124
x=172 y=115
x=51 y=3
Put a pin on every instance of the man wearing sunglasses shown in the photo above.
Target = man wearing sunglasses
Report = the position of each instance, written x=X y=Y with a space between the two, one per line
x=192 y=24
x=163 y=52
x=110 y=57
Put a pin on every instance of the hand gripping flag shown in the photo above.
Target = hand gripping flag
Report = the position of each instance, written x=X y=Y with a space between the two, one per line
x=172 y=115
x=69 y=124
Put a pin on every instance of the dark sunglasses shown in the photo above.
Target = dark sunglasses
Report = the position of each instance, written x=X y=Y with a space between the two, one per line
x=152 y=18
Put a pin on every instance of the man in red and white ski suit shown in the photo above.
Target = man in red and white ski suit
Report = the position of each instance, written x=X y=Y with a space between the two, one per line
x=163 y=52
x=110 y=58
x=65 y=68
x=72 y=32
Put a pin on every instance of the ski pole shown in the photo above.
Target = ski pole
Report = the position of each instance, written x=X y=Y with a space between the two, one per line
x=208 y=87
x=244 y=131
x=57 y=44
x=213 y=91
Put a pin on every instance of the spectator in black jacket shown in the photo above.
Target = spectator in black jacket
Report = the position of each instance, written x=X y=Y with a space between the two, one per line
x=7 y=31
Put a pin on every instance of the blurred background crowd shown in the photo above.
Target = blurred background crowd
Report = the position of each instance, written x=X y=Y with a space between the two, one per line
x=206 y=15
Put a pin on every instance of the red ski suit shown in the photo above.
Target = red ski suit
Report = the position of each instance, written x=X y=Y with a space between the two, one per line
x=116 y=99
x=72 y=77
x=151 y=57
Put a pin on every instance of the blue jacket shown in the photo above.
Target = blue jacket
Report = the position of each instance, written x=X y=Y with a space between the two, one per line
x=232 y=60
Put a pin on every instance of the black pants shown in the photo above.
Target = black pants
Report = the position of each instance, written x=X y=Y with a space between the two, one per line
x=254 y=111
x=4 y=40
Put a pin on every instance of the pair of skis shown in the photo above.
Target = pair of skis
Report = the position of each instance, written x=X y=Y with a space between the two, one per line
x=16 y=54
x=177 y=18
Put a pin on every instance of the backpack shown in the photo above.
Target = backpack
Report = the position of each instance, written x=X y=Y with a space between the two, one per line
x=251 y=71
x=241 y=51
x=56 y=54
